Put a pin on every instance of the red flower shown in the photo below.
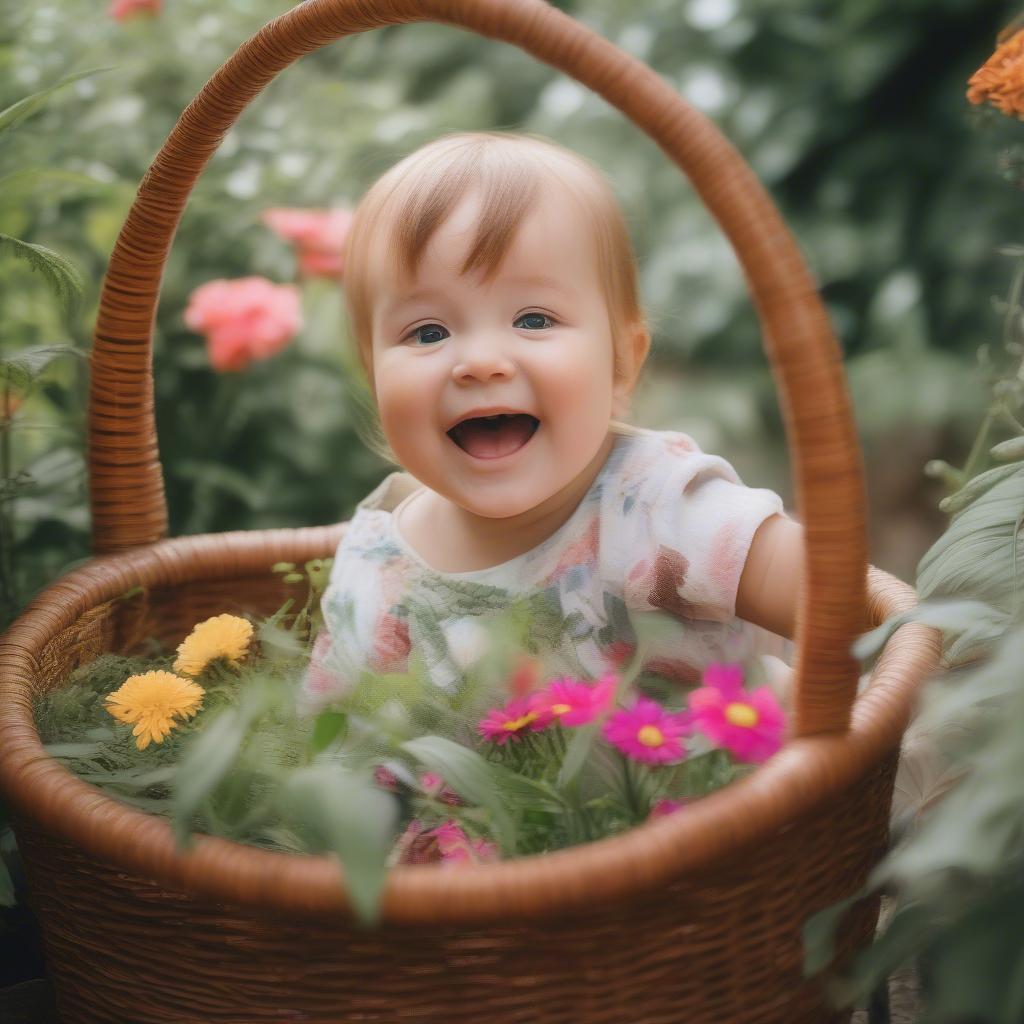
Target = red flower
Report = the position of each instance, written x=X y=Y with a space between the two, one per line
x=319 y=237
x=245 y=319
x=122 y=9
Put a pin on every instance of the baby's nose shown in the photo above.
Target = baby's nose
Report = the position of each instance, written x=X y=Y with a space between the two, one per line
x=483 y=361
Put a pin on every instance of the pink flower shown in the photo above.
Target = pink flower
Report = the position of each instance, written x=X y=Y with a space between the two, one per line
x=433 y=786
x=122 y=9
x=319 y=237
x=665 y=807
x=385 y=778
x=749 y=725
x=245 y=319
x=523 y=679
x=619 y=653
x=647 y=732
x=503 y=724
x=572 y=702
x=457 y=848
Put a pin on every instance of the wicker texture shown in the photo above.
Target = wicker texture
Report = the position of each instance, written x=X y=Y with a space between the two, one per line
x=694 y=917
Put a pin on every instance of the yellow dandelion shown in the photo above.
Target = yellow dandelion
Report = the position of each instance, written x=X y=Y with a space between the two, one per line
x=223 y=636
x=151 y=701
x=1000 y=80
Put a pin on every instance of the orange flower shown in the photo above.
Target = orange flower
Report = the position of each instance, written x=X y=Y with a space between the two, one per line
x=10 y=403
x=1000 y=80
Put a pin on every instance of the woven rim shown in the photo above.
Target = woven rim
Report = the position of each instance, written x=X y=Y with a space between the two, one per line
x=805 y=772
x=127 y=496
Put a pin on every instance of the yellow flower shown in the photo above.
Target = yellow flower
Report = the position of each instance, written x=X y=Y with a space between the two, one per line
x=223 y=636
x=1000 y=80
x=151 y=701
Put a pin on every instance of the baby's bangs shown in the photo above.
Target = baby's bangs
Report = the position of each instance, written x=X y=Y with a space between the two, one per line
x=507 y=184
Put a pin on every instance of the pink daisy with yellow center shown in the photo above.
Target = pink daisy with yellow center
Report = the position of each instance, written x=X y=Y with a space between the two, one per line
x=749 y=725
x=572 y=702
x=647 y=732
x=503 y=724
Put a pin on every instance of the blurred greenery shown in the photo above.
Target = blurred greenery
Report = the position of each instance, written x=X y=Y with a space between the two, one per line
x=852 y=112
x=954 y=872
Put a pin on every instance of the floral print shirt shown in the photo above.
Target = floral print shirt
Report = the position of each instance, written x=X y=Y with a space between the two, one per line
x=664 y=527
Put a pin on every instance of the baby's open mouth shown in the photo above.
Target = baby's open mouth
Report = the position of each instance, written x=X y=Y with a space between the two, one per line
x=492 y=437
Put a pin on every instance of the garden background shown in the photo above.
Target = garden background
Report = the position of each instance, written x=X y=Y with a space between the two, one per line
x=853 y=115
x=852 y=112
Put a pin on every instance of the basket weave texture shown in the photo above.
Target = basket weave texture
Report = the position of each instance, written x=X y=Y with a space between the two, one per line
x=695 y=917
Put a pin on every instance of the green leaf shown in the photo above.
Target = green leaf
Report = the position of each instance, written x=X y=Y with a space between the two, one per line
x=526 y=792
x=20 y=369
x=26 y=107
x=954 y=616
x=576 y=753
x=976 y=964
x=31 y=177
x=1008 y=451
x=976 y=488
x=211 y=755
x=58 y=271
x=328 y=727
x=819 y=935
x=470 y=776
x=354 y=819
x=978 y=557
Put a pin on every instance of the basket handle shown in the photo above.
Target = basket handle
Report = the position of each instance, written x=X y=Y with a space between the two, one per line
x=126 y=485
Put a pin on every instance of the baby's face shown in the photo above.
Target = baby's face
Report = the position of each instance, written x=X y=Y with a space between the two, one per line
x=536 y=340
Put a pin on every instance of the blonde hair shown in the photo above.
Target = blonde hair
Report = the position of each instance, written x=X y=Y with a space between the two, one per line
x=409 y=202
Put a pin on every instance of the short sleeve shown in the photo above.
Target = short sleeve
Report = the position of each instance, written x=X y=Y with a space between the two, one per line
x=687 y=522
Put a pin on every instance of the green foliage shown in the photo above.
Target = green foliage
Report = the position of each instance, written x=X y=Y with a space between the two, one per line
x=352 y=817
x=59 y=272
x=471 y=777
x=957 y=877
x=26 y=107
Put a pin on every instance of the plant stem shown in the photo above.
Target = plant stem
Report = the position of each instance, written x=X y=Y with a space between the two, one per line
x=8 y=585
x=631 y=796
x=979 y=446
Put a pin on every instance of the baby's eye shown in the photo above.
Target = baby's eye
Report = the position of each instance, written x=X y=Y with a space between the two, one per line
x=428 y=333
x=535 y=321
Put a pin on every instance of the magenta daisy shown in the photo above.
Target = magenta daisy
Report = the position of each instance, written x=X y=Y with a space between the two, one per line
x=749 y=725
x=503 y=724
x=647 y=732
x=572 y=702
x=457 y=848
x=665 y=807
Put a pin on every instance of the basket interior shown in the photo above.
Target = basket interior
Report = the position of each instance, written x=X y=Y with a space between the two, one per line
x=164 y=614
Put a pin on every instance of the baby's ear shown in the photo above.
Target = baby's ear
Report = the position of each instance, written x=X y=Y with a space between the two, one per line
x=634 y=345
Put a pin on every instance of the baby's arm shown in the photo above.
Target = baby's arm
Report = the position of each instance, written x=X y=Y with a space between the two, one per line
x=770 y=582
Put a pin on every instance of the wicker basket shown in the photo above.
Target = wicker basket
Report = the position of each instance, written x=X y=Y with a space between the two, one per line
x=694 y=918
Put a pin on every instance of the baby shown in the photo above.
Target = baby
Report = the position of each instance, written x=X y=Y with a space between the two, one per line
x=492 y=293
